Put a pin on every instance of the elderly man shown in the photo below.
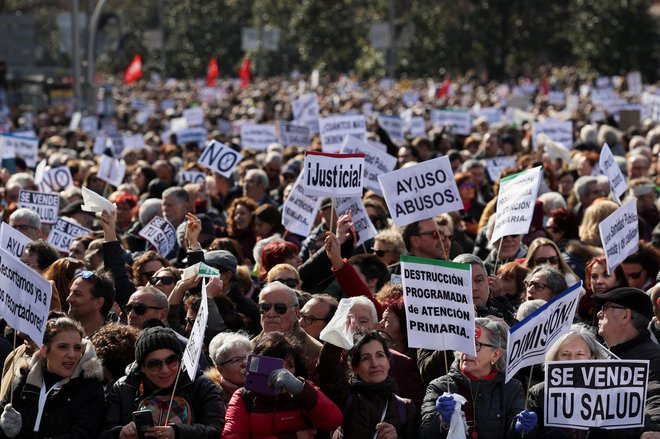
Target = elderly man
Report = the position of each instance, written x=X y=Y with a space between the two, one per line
x=587 y=190
x=638 y=166
x=144 y=304
x=316 y=314
x=176 y=204
x=255 y=186
x=27 y=222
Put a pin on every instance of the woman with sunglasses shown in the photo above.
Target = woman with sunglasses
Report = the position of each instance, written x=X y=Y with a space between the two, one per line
x=543 y=251
x=192 y=409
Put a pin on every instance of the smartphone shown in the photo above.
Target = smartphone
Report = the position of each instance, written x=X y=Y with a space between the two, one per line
x=259 y=368
x=143 y=421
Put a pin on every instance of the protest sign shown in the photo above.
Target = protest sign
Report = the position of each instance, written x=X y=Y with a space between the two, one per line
x=196 y=135
x=46 y=205
x=257 y=136
x=224 y=126
x=20 y=146
x=438 y=299
x=178 y=124
x=457 y=121
x=305 y=108
x=421 y=191
x=634 y=82
x=515 y=203
x=294 y=135
x=609 y=168
x=111 y=170
x=63 y=232
x=393 y=126
x=74 y=123
x=55 y=179
x=161 y=234
x=619 y=234
x=299 y=210
x=196 y=341
x=334 y=130
x=364 y=228
x=530 y=339
x=492 y=114
x=133 y=141
x=561 y=132
x=376 y=162
x=12 y=240
x=194 y=116
x=93 y=202
x=100 y=145
x=219 y=158
x=557 y=98
x=24 y=297
x=191 y=177
x=417 y=126
x=651 y=106
x=496 y=165
x=607 y=394
x=333 y=174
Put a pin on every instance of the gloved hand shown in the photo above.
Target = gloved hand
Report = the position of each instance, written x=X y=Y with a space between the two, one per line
x=282 y=379
x=525 y=421
x=445 y=406
x=11 y=421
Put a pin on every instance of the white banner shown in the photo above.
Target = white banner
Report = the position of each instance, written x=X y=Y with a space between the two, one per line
x=161 y=234
x=420 y=191
x=515 y=203
x=376 y=162
x=438 y=299
x=393 y=126
x=334 y=130
x=609 y=168
x=619 y=234
x=561 y=132
x=185 y=177
x=299 y=210
x=219 y=158
x=607 y=394
x=12 y=240
x=294 y=135
x=305 y=108
x=111 y=170
x=530 y=339
x=364 y=228
x=496 y=165
x=257 y=137
x=194 y=116
x=63 y=232
x=197 y=135
x=196 y=341
x=46 y=205
x=417 y=126
x=20 y=146
x=457 y=121
x=55 y=179
x=24 y=297
x=333 y=174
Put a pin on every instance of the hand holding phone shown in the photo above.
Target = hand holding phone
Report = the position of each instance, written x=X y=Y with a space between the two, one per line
x=143 y=421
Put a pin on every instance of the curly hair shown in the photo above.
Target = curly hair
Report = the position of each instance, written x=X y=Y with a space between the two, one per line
x=147 y=257
x=246 y=202
x=277 y=345
x=566 y=221
x=115 y=346
x=275 y=253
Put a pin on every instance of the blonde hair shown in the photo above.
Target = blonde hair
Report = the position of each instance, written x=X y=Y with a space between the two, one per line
x=593 y=216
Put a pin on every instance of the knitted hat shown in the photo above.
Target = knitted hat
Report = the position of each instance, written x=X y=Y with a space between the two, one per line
x=152 y=339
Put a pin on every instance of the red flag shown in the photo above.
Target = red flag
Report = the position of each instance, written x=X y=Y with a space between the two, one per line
x=211 y=73
x=442 y=91
x=134 y=70
x=244 y=74
x=545 y=86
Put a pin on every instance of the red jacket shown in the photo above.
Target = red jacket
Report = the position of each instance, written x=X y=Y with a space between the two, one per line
x=281 y=416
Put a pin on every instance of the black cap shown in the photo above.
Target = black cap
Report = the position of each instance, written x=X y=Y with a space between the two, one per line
x=74 y=208
x=632 y=298
x=152 y=339
x=221 y=259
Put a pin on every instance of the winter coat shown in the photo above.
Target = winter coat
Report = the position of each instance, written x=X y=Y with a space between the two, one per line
x=197 y=411
x=495 y=404
x=251 y=415
x=73 y=407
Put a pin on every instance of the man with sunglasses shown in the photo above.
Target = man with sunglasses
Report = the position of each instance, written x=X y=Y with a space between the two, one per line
x=422 y=239
x=146 y=303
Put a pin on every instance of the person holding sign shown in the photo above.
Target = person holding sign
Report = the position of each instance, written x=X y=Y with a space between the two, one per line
x=493 y=408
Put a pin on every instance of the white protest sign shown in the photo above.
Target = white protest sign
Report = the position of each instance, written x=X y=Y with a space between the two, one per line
x=305 y=108
x=257 y=136
x=420 y=191
x=111 y=170
x=20 y=146
x=194 y=116
x=24 y=297
x=496 y=165
x=609 y=168
x=561 y=132
x=161 y=234
x=100 y=145
x=634 y=82
x=364 y=228
x=607 y=394
x=651 y=106
x=557 y=98
x=619 y=234
x=299 y=210
x=63 y=232
x=74 y=123
x=334 y=130
x=191 y=177
x=196 y=135
x=492 y=114
x=55 y=179
x=93 y=202
x=46 y=205
x=294 y=135
x=178 y=124
x=133 y=141
x=457 y=121
x=530 y=339
x=515 y=203
x=196 y=341
x=417 y=126
x=12 y=240
x=438 y=299
x=376 y=162
x=333 y=174
x=219 y=158
x=393 y=126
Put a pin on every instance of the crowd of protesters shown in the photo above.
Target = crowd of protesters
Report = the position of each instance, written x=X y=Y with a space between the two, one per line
x=121 y=313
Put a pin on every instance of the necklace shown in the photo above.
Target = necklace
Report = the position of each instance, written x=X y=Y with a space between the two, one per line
x=474 y=434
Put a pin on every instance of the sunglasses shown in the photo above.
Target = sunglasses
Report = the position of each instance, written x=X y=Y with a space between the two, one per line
x=434 y=233
x=536 y=285
x=165 y=280
x=140 y=308
x=635 y=275
x=170 y=362
x=381 y=253
x=291 y=283
x=280 y=308
x=551 y=260
x=467 y=186
x=85 y=274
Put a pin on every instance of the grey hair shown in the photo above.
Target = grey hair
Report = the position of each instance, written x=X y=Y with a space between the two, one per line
x=22 y=179
x=259 y=246
x=639 y=322
x=499 y=334
x=393 y=238
x=27 y=215
x=177 y=192
x=161 y=298
x=362 y=300
x=598 y=352
x=582 y=184
x=472 y=163
x=528 y=307
x=280 y=286
x=274 y=157
x=552 y=201
x=150 y=208
x=224 y=343
x=262 y=177
x=469 y=258
x=555 y=278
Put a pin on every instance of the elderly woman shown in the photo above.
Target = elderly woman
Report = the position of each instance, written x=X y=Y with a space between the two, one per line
x=494 y=409
x=544 y=282
x=229 y=352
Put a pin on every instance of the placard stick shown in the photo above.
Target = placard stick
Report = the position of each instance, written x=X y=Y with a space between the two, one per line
x=13 y=359
x=445 y=256
x=169 y=408
x=447 y=369
x=497 y=255
x=529 y=384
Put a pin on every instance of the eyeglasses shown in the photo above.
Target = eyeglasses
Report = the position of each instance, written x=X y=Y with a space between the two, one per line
x=139 y=308
x=635 y=275
x=380 y=253
x=291 y=283
x=165 y=280
x=607 y=306
x=446 y=237
x=434 y=233
x=535 y=285
x=309 y=319
x=148 y=274
x=234 y=360
x=280 y=308
x=478 y=345
x=552 y=260
x=170 y=362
